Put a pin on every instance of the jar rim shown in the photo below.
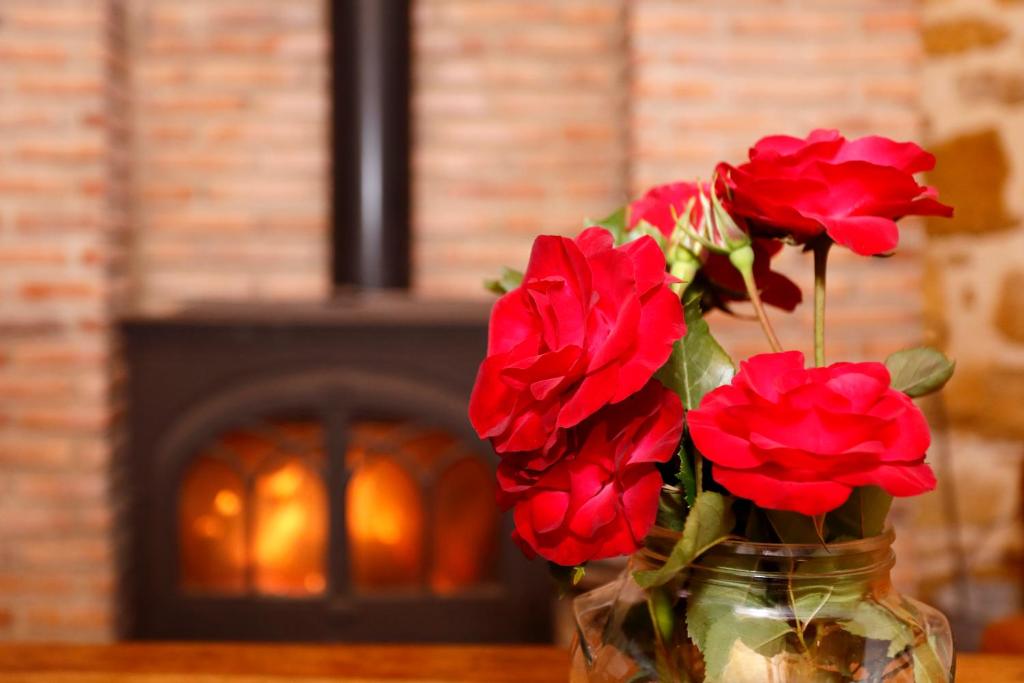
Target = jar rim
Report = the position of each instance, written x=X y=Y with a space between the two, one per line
x=744 y=547
x=858 y=546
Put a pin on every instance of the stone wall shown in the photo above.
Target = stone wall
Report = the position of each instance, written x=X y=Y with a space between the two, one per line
x=973 y=100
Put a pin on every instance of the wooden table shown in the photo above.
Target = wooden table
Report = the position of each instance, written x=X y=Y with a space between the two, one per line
x=202 y=663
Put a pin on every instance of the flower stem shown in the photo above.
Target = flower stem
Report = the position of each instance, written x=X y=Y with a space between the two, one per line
x=698 y=467
x=743 y=260
x=762 y=316
x=800 y=627
x=821 y=248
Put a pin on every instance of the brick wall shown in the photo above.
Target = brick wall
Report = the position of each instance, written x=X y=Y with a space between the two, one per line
x=520 y=128
x=62 y=219
x=231 y=152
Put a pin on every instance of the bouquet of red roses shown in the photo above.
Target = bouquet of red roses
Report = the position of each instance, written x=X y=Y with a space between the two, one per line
x=613 y=410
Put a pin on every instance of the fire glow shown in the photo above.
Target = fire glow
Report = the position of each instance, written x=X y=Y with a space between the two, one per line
x=264 y=529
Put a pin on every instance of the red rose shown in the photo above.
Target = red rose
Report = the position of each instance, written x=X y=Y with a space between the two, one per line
x=790 y=438
x=589 y=325
x=725 y=282
x=660 y=202
x=851 y=190
x=601 y=498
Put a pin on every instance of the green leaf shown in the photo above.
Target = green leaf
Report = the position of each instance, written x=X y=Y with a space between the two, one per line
x=566 y=578
x=825 y=602
x=793 y=527
x=719 y=614
x=808 y=601
x=928 y=668
x=919 y=371
x=578 y=572
x=509 y=280
x=671 y=509
x=615 y=223
x=686 y=476
x=663 y=616
x=862 y=515
x=763 y=635
x=709 y=603
x=757 y=527
x=871 y=620
x=710 y=521
x=692 y=298
x=698 y=363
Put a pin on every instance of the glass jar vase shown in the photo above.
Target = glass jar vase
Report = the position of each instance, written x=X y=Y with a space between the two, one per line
x=759 y=612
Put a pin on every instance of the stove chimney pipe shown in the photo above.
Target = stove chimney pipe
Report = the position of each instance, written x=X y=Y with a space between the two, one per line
x=370 y=143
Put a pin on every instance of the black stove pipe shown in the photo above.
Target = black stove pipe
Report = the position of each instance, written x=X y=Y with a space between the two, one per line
x=370 y=88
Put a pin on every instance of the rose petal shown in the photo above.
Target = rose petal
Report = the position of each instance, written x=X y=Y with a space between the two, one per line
x=905 y=156
x=728 y=450
x=592 y=394
x=761 y=372
x=897 y=480
x=547 y=510
x=770 y=493
x=865 y=235
x=640 y=500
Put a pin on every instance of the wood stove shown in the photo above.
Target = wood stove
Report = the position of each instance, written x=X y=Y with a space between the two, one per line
x=307 y=471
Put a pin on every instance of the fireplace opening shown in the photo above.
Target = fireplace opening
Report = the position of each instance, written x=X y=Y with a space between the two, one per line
x=253 y=513
x=309 y=473
x=420 y=511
